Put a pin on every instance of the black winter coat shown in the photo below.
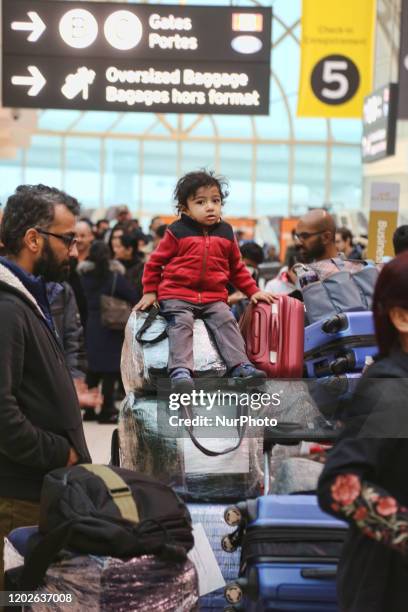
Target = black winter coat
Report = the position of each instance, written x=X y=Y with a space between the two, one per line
x=103 y=346
x=40 y=417
x=365 y=482
x=68 y=325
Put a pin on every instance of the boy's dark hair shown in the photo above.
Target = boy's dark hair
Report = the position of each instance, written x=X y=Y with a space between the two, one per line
x=31 y=206
x=400 y=239
x=189 y=184
x=252 y=251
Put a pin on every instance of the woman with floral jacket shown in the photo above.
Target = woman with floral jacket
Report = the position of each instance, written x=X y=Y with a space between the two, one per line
x=365 y=480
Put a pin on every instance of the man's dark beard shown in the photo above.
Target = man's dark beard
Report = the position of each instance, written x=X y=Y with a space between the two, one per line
x=311 y=253
x=50 y=268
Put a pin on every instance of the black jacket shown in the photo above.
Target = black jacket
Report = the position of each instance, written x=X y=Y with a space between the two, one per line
x=68 y=325
x=373 y=575
x=103 y=345
x=40 y=417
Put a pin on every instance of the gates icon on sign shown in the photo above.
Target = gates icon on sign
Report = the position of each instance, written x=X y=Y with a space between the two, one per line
x=78 y=28
x=123 y=30
x=335 y=79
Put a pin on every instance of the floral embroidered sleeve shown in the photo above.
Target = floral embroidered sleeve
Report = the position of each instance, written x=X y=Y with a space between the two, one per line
x=378 y=515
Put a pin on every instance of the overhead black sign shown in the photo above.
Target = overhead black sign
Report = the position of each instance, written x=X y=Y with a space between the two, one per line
x=136 y=57
x=379 y=123
x=403 y=67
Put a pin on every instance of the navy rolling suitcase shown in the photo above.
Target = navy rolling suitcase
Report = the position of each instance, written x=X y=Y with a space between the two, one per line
x=211 y=516
x=339 y=344
x=290 y=550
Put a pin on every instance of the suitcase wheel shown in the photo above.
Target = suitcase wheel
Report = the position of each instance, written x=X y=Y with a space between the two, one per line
x=233 y=516
x=233 y=593
x=228 y=544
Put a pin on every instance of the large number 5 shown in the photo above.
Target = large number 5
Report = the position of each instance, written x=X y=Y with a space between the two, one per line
x=332 y=74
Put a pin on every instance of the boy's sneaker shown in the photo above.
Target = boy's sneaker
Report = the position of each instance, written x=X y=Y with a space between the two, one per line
x=247 y=373
x=181 y=380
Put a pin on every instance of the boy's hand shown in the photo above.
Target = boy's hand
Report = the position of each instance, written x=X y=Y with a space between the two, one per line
x=147 y=300
x=262 y=296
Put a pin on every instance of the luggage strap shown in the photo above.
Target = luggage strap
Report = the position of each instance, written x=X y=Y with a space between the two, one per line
x=118 y=490
x=153 y=313
x=45 y=548
x=208 y=451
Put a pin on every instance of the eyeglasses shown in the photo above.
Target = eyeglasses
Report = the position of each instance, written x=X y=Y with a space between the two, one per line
x=68 y=239
x=305 y=235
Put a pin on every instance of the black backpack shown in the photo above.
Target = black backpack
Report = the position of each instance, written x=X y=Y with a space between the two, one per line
x=101 y=510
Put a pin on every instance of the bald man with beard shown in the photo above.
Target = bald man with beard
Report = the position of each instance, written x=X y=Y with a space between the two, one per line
x=316 y=236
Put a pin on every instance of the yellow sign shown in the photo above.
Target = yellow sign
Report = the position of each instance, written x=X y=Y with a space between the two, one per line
x=383 y=220
x=337 y=57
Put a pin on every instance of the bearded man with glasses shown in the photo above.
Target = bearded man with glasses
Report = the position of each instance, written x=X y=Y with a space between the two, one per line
x=315 y=236
x=40 y=420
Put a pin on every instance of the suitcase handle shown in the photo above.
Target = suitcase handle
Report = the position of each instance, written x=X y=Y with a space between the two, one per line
x=153 y=313
x=319 y=573
x=274 y=337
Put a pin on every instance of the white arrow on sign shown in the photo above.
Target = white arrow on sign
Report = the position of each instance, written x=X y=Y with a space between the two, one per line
x=36 y=26
x=36 y=81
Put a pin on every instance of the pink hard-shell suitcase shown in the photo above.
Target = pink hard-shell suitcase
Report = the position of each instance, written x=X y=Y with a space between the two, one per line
x=274 y=336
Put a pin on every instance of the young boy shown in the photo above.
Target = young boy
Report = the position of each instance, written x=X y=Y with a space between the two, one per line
x=188 y=274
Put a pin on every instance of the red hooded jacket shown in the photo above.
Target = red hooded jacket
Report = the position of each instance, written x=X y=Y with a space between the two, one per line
x=194 y=263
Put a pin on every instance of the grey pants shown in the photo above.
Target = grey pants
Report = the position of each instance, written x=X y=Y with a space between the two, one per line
x=218 y=319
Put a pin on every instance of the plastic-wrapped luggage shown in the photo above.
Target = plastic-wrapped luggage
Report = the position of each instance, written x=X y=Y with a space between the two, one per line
x=273 y=336
x=290 y=550
x=211 y=517
x=145 y=361
x=178 y=463
x=296 y=475
x=142 y=584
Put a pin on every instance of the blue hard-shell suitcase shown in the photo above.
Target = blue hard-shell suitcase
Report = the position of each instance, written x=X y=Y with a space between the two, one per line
x=353 y=326
x=211 y=516
x=339 y=359
x=339 y=344
x=290 y=550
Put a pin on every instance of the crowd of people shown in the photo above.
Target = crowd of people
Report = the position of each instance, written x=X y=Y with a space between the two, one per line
x=59 y=355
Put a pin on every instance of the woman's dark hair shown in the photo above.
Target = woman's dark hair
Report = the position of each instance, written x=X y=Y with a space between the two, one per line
x=100 y=255
x=400 y=239
x=391 y=290
x=131 y=241
x=115 y=228
x=31 y=206
x=189 y=184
